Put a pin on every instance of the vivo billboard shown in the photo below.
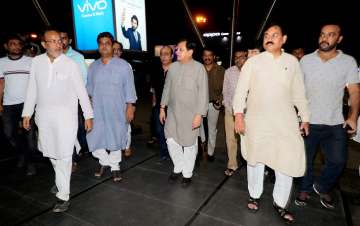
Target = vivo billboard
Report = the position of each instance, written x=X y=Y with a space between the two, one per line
x=125 y=19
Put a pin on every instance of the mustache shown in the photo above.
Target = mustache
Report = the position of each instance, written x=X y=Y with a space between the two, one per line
x=324 y=42
x=269 y=42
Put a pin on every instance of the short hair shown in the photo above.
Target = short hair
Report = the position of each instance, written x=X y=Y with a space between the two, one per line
x=189 y=44
x=209 y=49
x=134 y=17
x=240 y=50
x=47 y=30
x=105 y=34
x=14 y=37
x=169 y=47
x=120 y=44
x=254 y=45
x=332 y=23
x=276 y=24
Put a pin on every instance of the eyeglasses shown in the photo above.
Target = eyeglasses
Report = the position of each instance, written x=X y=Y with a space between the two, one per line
x=53 y=41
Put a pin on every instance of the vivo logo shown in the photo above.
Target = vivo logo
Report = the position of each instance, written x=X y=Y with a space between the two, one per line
x=88 y=7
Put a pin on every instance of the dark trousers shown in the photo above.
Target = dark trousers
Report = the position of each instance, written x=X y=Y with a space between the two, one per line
x=153 y=122
x=23 y=141
x=159 y=128
x=333 y=142
x=81 y=135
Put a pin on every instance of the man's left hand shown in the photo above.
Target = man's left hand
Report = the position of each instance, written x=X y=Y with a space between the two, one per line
x=130 y=110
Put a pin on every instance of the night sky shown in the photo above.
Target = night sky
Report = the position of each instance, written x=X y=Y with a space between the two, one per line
x=167 y=21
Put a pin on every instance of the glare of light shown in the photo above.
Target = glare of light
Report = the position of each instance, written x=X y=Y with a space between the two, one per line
x=238 y=38
x=33 y=36
x=225 y=39
x=201 y=19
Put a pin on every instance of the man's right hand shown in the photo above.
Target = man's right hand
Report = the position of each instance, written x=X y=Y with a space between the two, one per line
x=26 y=123
x=162 y=116
x=1 y=108
x=239 y=123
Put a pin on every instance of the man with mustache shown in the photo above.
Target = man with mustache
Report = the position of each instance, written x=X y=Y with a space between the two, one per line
x=215 y=79
x=269 y=86
x=327 y=72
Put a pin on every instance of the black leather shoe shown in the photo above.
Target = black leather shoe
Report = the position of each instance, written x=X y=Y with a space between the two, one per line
x=173 y=177
x=185 y=182
x=210 y=158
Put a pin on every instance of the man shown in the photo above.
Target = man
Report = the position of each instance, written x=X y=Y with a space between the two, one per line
x=79 y=60
x=186 y=97
x=131 y=33
x=215 y=79
x=112 y=91
x=298 y=53
x=14 y=77
x=157 y=83
x=327 y=72
x=253 y=50
x=230 y=80
x=118 y=50
x=55 y=88
x=269 y=86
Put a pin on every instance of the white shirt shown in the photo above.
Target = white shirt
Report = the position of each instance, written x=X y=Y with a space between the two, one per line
x=16 y=75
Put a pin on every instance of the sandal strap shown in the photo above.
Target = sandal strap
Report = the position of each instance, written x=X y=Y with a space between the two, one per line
x=283 y=212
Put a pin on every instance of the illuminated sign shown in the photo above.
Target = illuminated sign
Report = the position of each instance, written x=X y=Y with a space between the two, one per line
x=91 y=17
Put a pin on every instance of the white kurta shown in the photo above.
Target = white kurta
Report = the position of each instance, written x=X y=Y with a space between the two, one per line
x=55 y=88
x=269 y=88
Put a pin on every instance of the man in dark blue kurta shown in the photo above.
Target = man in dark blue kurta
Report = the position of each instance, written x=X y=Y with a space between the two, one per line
x=111 y=87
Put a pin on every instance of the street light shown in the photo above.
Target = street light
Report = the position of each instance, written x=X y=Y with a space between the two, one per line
x=201 y=19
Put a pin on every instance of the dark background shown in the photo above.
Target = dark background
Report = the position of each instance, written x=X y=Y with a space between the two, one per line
x=167 y=21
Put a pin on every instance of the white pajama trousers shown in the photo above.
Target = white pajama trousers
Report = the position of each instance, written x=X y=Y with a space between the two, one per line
x=128 y=143
x=282 y=187
x=182 y=157
x=112 y=159
x=212 y=120
x=62 y=168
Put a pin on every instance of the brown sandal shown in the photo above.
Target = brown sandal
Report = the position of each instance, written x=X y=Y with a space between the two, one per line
x=284 y=214
x=255 y=203
x=116 y=175
x=99 y=171
x=229 y=172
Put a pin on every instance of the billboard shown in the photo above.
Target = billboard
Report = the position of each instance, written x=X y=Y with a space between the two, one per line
x=131 y=24
x=91 y=17
x=125 y=19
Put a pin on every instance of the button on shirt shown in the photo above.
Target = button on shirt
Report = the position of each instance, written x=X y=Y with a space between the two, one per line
x=325 y=82
x=16 y=74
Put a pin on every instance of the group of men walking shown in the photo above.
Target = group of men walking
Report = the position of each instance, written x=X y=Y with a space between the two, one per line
x=264 y=97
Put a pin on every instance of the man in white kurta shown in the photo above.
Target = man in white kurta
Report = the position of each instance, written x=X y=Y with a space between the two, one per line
x=55 y=87
x=269 y=86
